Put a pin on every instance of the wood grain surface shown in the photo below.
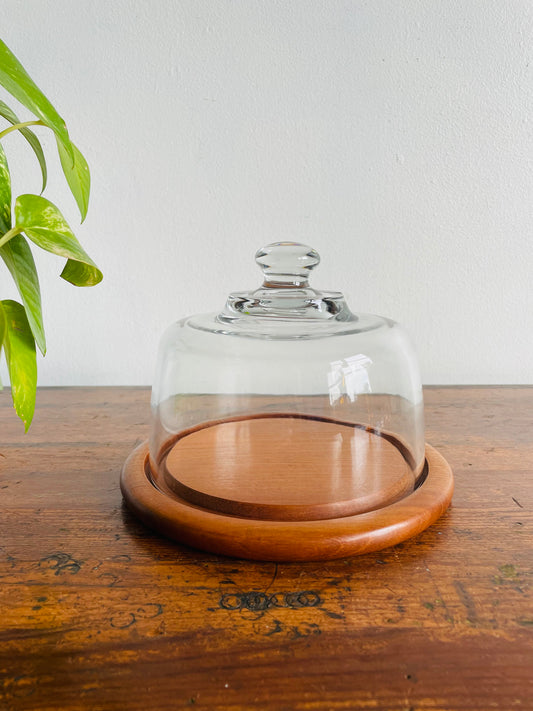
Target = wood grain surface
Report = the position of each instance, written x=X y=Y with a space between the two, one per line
x=98 y=613
x=287 y=468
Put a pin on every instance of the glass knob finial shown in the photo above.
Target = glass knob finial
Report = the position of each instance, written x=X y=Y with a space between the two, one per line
x=286 y=264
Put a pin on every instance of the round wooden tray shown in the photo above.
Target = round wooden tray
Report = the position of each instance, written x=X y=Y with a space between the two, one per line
x=286 y=467
x=235 y=515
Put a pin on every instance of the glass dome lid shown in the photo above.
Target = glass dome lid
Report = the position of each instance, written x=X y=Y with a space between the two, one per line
x=285 y=306
x=285 y=416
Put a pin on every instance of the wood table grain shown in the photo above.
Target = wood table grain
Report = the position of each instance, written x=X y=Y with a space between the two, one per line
x=99 y=613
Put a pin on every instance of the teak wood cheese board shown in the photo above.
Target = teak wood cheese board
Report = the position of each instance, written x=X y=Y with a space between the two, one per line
x=285 y=487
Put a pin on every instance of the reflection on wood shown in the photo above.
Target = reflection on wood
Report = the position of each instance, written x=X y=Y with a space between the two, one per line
x=285 y=467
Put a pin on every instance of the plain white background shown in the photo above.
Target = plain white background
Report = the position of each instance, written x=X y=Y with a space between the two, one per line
x=394 y=137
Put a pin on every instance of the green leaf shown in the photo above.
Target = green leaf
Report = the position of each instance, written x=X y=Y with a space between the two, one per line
x=21 y=359
x=29 y=135
x=77 y=175
x=44 y=224
x=15 y=79
x=2 y=335
x=19 y=260
x=5 y=194
x=2 y=328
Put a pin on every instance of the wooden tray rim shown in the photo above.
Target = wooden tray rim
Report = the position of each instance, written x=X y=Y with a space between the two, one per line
x=287 y=541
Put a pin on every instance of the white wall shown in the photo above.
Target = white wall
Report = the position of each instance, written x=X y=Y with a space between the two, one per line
x=394 y=137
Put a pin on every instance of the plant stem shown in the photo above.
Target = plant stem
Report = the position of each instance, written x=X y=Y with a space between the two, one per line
x=18 y=126
x=13 y=232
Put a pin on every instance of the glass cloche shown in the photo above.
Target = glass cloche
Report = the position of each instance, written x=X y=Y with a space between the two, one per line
x=286 y=427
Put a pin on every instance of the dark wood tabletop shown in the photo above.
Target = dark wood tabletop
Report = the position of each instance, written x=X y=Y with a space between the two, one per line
x=99 y=613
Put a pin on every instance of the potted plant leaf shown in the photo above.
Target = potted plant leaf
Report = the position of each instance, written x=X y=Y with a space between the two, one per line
x=34 y=219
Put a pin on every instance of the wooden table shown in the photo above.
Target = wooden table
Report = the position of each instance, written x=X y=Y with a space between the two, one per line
x=98 y=613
